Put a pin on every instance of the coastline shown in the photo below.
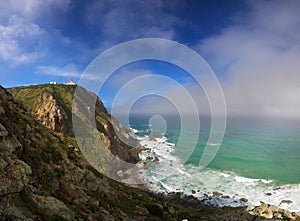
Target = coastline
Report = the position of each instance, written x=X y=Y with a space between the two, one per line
x=213 y=200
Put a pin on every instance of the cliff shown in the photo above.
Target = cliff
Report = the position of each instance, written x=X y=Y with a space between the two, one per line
x=52 y=106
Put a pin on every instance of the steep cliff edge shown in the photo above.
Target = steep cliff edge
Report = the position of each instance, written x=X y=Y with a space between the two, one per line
x=52 y=106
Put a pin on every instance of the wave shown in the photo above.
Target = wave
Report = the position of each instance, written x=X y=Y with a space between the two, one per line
x=171 y=174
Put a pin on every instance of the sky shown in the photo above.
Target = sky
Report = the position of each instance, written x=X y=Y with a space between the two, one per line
x=253 y=47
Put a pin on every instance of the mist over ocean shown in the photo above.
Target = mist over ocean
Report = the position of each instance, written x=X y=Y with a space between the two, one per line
x=258 y=160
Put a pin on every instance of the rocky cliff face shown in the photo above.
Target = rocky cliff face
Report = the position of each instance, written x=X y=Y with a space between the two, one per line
x=49 y=113
x=52 y=106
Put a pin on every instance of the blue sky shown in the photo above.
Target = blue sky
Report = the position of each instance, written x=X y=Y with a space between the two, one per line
x=252 y=46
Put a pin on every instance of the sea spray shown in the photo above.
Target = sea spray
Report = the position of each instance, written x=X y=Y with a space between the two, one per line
x=171 y=174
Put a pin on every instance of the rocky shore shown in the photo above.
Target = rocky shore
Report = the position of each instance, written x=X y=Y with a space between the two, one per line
x=252 y=213
x=272 y=212
x=244 y=212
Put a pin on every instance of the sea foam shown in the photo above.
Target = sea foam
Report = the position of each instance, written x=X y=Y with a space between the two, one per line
x=171 y=174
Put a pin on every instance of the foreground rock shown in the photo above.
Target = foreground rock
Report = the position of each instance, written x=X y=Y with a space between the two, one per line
x=53 y=206
x=271 y=212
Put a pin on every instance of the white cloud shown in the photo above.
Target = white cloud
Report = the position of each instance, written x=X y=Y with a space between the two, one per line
x=257 y=60
x=21 y=41
x=30 y=8
x=67 y=71
x=259 y=55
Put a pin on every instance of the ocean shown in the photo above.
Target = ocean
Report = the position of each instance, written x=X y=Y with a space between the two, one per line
x=258 y=160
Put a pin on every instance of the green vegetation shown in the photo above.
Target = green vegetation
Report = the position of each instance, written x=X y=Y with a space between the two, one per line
x=30 y=95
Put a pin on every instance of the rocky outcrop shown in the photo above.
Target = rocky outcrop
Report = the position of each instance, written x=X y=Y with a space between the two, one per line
x=14 y=176
x=49 y=113
x=14 y=173
x=271 y=212
x=53 y=206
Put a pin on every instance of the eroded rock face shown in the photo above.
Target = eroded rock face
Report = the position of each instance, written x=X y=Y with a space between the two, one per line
x=50 y=114
x=14 y=173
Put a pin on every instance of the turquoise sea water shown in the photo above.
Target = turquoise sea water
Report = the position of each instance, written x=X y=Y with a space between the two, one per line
x=257 y=155
x=254 y=148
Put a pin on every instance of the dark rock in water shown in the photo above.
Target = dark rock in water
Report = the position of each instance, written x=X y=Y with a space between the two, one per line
x=269 y=194
x=144 y=165
x=243 y=199
x=286 y=201
x=149 y=158
x=217 y=193
x=193 y=191
x=155 y=160
x=225 y=197
x=277 y=188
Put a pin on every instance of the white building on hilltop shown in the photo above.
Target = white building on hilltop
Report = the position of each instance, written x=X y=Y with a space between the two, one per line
x=71 y=82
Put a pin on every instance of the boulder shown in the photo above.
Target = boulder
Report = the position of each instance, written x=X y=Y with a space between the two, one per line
x=149 y=158
x=14 y=178
x=250 y=208
x=286 y=201
x=268 y=213
x=215 y=193
x=287 y=214
x=225 y=196
x=144 y=165
x=155 y=160
x=244 y=200
x=120 y=173
x=53 y=206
